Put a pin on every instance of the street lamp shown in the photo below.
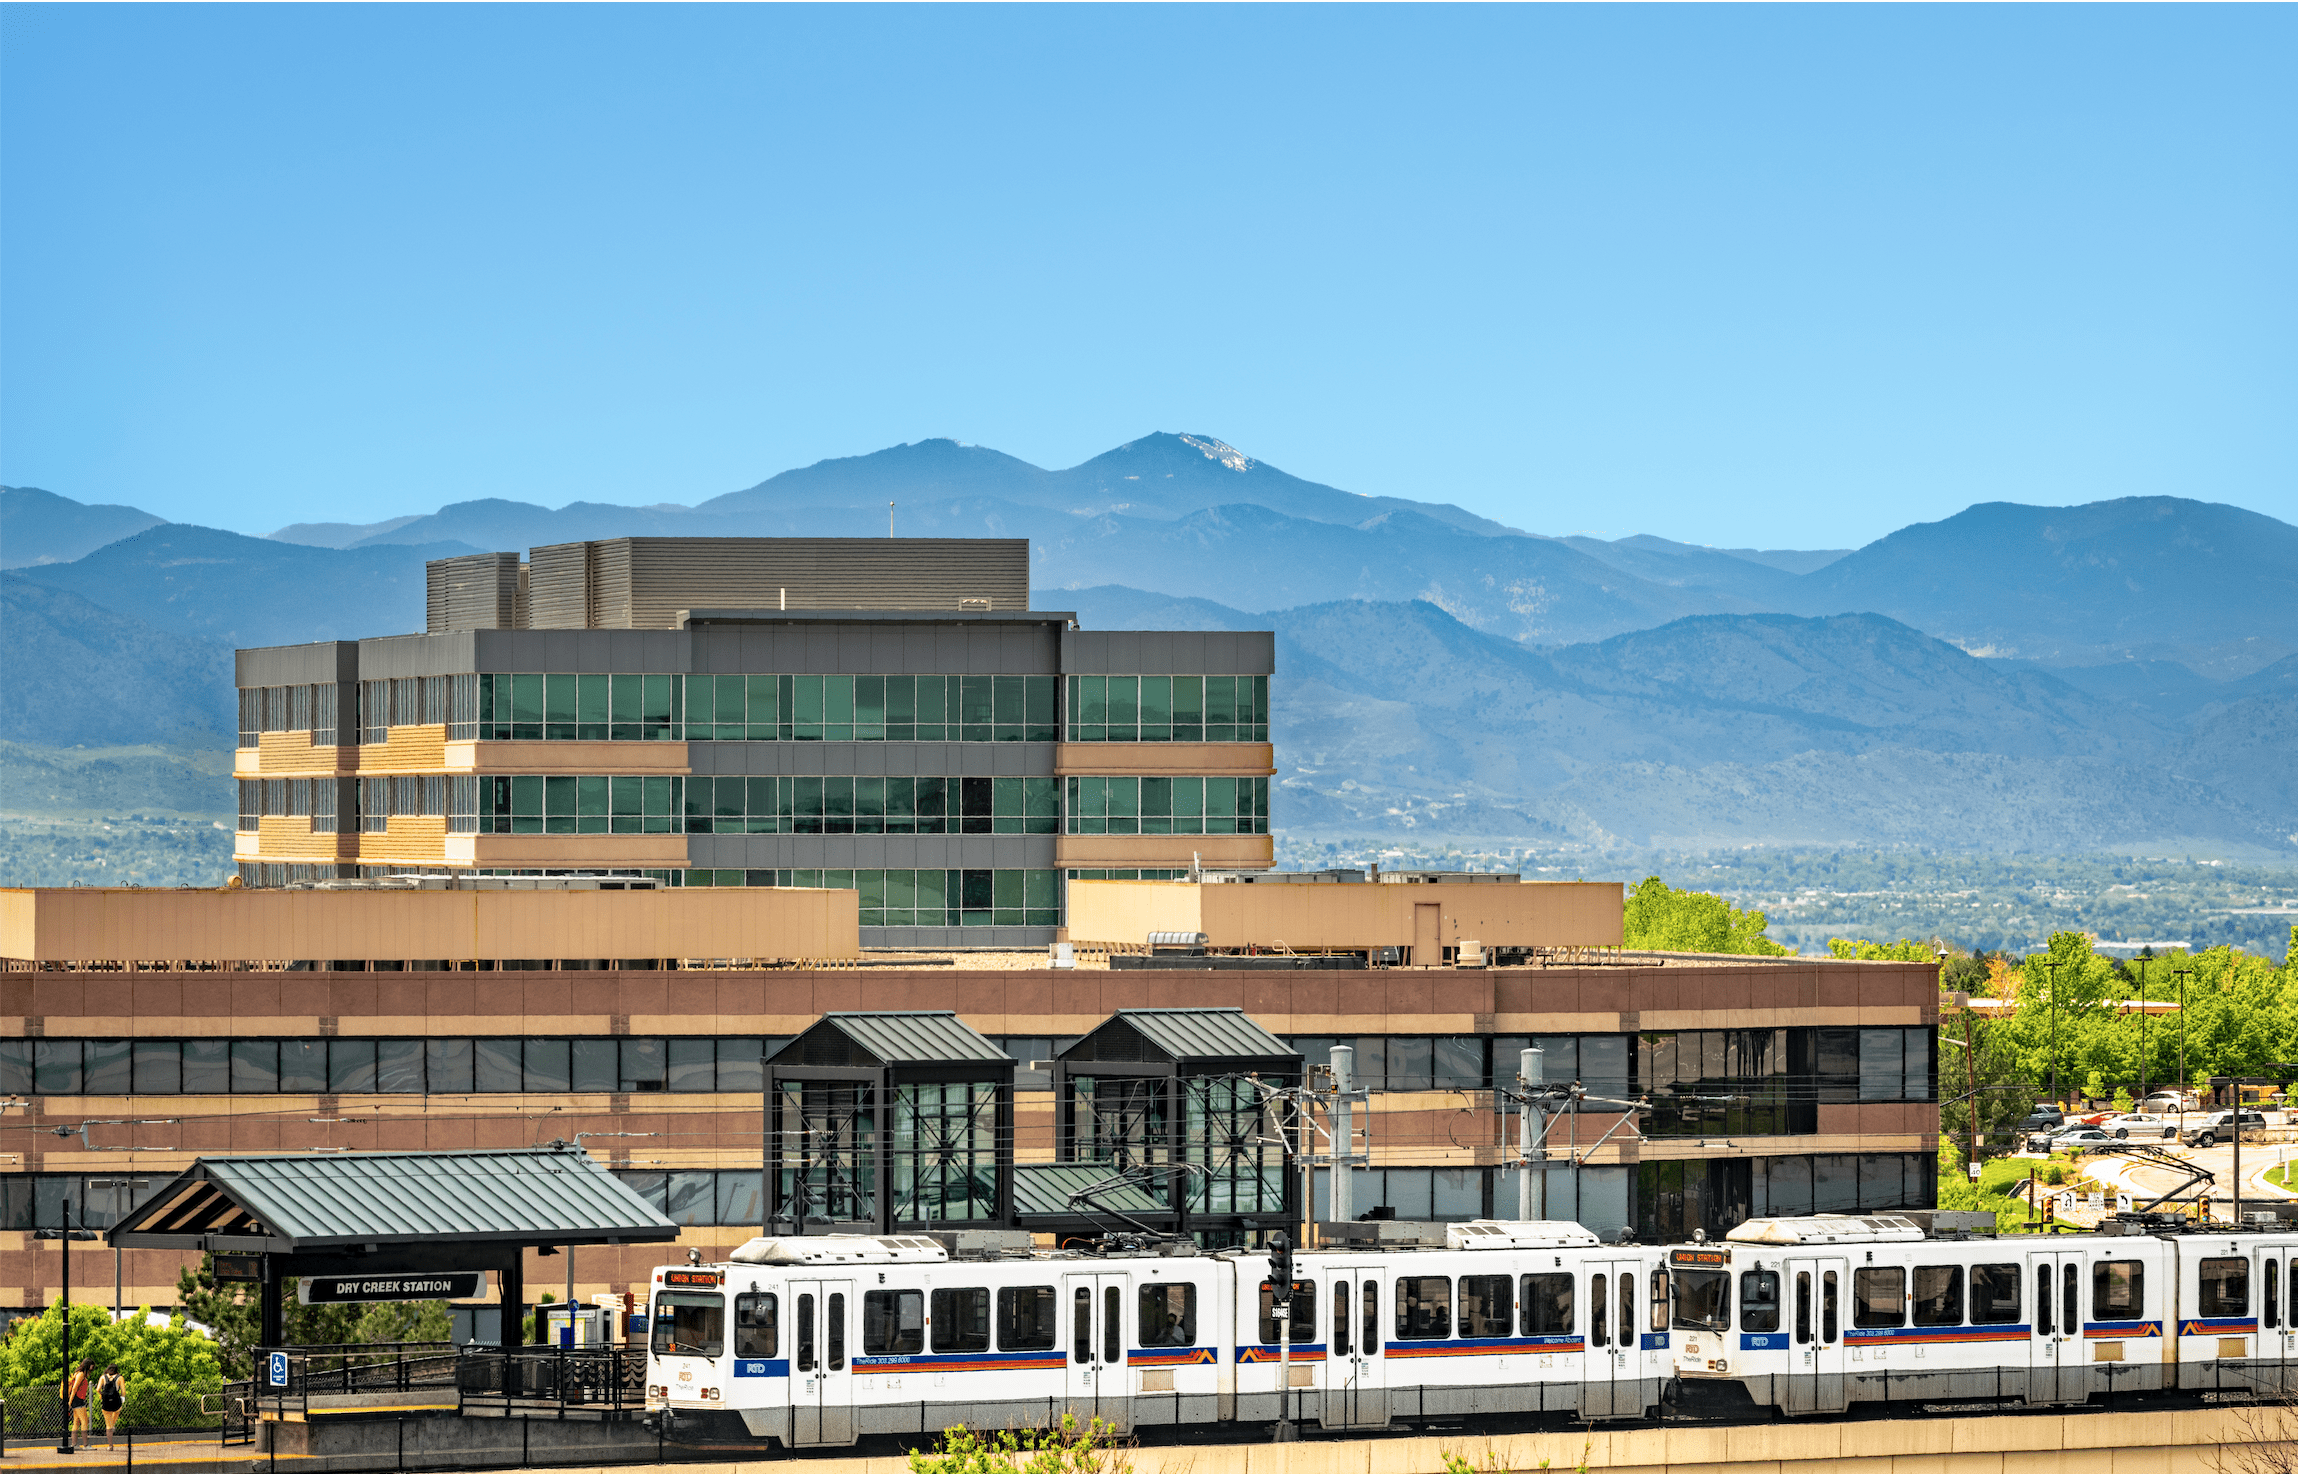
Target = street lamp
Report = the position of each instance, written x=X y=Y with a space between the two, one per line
x=2183 y=974
x=2053 y=968
x=2145 y=956
x=67 y=1233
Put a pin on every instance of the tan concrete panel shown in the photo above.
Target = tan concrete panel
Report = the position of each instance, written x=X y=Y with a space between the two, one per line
x=421 y=749
x=408 y=839
x=1153 y=759
x=1158 y=851
x=280 y=925
x=283 y=753
x=1351 y=916
x=281 y=837
x=527 y=851
x=567 y=757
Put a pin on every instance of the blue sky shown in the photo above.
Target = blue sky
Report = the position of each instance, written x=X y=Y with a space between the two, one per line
x=1735 y=275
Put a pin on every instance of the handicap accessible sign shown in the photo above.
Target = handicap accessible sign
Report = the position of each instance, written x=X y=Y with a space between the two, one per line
x=279 y=1369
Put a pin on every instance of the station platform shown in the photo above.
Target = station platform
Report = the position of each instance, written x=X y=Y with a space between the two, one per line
x=2166 y=1441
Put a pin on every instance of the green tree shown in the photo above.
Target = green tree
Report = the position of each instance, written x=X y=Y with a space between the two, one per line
x=232 y=1309
x=33 y=1354
x=1662 y=919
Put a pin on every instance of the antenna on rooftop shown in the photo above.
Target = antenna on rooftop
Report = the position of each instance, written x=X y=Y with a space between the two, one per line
x=889 y=519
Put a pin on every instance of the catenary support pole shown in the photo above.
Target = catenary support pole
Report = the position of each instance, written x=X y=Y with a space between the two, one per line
x=1344 y=1133
x=1531 y=1074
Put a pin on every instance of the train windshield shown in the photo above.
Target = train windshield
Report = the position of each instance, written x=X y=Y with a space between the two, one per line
x=1703 y=1300
x=689 y=1323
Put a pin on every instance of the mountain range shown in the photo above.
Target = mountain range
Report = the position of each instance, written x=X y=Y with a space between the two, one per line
x=2012 y=677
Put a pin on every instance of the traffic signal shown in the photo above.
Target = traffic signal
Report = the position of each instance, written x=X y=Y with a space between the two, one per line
x=1281 y=1269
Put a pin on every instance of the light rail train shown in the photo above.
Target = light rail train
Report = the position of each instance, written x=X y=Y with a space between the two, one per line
x=819 y=1341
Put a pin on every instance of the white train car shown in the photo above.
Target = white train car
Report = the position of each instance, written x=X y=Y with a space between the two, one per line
x=1812 y=1315
x=818 y=1341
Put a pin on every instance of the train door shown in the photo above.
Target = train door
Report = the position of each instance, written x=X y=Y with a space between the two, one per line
x=821 y=1375
x=2270 y=1272
x=1613 y=1382
x=2056 y=1369
x=1356 y=1376
x=1096 y=1347
x=1817 y=1292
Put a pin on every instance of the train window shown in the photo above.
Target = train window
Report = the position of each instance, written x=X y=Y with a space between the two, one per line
x=961 y=1320
x=1994 y=1294
x=1803 y=1307
x=1703 y=1299
x=805 y=1333
x=1547 y=1304
x=1829 y=1314
x=1599 y=1310
x=1168 y=1315
x=2225 y=1287
x=1112 y=1325
x=1487 y=1308
x=1938 y=1294
x=834 y=1331
x=1759 y=1301
x=689 y=1324
x=1025 y=1318
x=1879 y=1296
x=1659 y=1300
x=757 y=1325
x=1081 y=1325
x=1627 y=1310
x=1304 y=1312
x=2071 y=1308
x=893 y=1322
x=1342 y=1310
x=2269 y=1296
x=2118 y=1290
x=2043 y=1299
x=1423 y=1308
x=1371 y=1317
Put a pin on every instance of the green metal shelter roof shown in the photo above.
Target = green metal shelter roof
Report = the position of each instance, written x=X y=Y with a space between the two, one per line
x=1046 y=1191
x=1185 y=1034
x=904 y=1039
x=543 y=1196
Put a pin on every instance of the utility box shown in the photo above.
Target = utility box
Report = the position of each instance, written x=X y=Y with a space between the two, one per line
x=589 y=1327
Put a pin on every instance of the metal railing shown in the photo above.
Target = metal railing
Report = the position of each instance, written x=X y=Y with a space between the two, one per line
x=288 y=1377
x=605 y=1382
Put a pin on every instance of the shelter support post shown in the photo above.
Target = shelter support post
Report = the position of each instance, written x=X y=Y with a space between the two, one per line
x=514 y=1297
x=271 y=1328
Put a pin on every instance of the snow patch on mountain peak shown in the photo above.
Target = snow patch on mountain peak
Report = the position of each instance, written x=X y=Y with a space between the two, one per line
x=1214 y=450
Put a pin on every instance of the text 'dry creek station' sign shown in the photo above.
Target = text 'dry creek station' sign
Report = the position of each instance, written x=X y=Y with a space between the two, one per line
x=358 y=1289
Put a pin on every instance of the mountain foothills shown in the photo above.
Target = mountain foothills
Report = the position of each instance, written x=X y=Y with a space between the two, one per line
x=2009 y=679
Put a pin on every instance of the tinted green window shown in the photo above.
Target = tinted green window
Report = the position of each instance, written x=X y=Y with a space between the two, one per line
x=806 y=692
x=1156 y=708
x=838 y=708
x=976 y=709
x=869 y=708
x=527 y=708
x=1124 y=708
x=591 y=708
x=763 y=707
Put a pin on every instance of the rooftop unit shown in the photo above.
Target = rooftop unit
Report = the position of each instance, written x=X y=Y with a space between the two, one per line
x=842 y=1248
x=1828 y=1228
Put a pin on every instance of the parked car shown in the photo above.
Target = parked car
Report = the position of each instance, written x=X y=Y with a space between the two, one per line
x=2139 y=1126
x=2166 y=1103
x=2220 y=1126
x=2051 y=1141
x=2041 y=1118
x=2080 y=1139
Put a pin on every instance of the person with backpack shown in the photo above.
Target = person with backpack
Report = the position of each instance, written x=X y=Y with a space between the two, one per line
x=76 y=1383
x=112 y=1397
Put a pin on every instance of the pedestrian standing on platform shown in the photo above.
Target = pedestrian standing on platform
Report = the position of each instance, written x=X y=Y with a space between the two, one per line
x=112 y=1397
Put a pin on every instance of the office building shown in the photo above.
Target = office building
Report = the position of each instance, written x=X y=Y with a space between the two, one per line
x=888 y=715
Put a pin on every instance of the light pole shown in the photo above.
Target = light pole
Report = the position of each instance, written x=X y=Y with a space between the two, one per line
x=2053 y=968
x=2145 y=956
x=67 y=1233
x=2183 y=974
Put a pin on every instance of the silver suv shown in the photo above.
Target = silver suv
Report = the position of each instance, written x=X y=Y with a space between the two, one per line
x=2220 y=1126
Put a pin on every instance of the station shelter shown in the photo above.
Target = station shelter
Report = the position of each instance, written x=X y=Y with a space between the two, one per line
x=367 y=1219
x=889 y=1122
x=1171 y=1106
